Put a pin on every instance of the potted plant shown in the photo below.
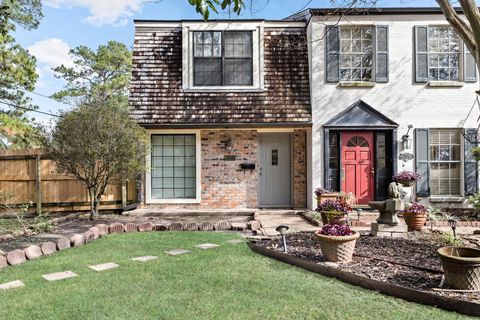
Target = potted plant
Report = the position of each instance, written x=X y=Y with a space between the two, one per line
x=415 y=216
x=337 y=242
x=461 y=266
x=324 y=194
x=406 y=178
x=333 y=211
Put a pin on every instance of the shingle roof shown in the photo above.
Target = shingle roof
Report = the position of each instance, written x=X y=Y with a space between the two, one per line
x=157 y=98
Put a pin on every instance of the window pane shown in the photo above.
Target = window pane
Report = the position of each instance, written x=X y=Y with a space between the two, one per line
x=238 y=44
x=174 y=172
x=356 y=53
x=207 y=72
x=443 y=54
x=238 y=72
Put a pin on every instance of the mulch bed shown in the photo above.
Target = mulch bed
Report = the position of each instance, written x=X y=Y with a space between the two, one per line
x=411 y=263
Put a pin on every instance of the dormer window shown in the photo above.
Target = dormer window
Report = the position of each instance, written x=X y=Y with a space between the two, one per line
x=222 y=58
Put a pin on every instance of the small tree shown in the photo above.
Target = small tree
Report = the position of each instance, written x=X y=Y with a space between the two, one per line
x=98 y=143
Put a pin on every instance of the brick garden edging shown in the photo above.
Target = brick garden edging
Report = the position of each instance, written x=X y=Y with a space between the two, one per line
x=16 y=257
x=408 y=294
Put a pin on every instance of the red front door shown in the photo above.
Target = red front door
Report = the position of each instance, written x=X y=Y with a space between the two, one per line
x=357 y=165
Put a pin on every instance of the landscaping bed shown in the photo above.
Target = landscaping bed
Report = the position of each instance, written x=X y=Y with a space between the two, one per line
x=411 y=263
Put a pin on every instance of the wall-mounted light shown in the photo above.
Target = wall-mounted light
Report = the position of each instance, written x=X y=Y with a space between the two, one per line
x=228 y=145
x=406 y=140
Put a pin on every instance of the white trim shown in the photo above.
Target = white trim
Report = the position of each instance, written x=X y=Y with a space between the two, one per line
x=179 y=24
x=257 y=59
x=274 y=130
x=198 y=171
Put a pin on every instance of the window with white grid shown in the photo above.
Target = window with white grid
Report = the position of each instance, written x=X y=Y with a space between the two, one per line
x=356 y=53
x=445 y=162
x=443 y=53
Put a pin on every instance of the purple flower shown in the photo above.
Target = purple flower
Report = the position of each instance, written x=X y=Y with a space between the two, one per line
x=416 y=208
x=406 y=176
x=333 y=205
x=336 y=230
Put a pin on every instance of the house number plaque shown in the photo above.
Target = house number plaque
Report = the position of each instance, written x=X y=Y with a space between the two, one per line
x=406 y=156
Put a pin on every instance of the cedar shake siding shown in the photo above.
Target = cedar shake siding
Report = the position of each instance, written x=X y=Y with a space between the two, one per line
x=157 y=99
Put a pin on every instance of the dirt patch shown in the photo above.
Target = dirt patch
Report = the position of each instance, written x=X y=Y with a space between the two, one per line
x=410 y=263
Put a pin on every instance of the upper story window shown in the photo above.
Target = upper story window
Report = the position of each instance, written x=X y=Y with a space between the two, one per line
x=441 y=55
x=222 y=58
x=357 y=53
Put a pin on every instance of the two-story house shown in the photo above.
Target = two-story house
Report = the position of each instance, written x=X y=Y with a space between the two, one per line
x=227 y=108
x=254 y=113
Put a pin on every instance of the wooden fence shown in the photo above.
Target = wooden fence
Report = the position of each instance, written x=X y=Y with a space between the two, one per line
x=31 y=178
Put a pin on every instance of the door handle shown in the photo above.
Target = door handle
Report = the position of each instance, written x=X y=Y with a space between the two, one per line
x=372 y=171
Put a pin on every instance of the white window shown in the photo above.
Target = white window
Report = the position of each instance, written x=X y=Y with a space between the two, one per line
x=443 y=54
x=174 y=170
x=221 y=56
x=445 y=162
x=356 y=53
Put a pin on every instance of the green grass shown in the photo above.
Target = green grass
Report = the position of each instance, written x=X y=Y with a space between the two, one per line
x=229 y=282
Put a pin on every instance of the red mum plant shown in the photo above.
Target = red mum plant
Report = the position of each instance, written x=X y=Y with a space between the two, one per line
x=406 y=176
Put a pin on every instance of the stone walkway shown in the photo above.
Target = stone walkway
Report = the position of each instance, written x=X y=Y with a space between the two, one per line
x=295 y=222
x=56 y=276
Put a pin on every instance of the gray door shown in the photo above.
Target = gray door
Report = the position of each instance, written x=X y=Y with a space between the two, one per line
x=275 y=170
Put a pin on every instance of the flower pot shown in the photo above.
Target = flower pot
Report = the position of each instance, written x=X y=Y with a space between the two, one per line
x=415 y=221
x=461 y=266
x=341 y=220
x=337 y=248
x=328 y=196
x=407 y=183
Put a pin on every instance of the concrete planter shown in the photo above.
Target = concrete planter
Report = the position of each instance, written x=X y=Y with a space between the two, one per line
x=337 y=248
x=461 y=266
x=415 y=221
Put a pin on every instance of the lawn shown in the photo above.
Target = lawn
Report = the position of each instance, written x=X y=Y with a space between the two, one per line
x=229 y=282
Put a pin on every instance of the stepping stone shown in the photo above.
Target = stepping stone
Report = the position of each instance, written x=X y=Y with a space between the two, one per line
x=176 y=226
x=223 y=225
x=102 y=229
x=77 y=240
x=48 y=247
x=144 y=258
x=96 y=232
x=239 y=226
x=206 y=226
x=3 y=262
x=116 y=228
x=11 y=285
x=176 y=252
x=16 y=257
x=160 y=227
x=59 y=275
x=206 y=246
x=104 y=266
x=89 y=236
x=235 y=241
x=33 y=252
x=190 y=226
x=63 y=243
x=130 y=227
x=145 y=226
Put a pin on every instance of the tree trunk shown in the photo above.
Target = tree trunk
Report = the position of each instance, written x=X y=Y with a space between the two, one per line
x=91 y=193
x=97 y=203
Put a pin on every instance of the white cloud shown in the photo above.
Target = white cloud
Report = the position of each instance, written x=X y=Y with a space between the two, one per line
x=51 y=53
x=114 y=12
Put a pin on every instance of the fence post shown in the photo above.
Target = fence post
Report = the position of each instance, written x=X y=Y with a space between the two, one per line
x=124 y=193
x=38 y=184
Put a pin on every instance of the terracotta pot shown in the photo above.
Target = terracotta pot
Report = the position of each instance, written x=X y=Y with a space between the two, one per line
x=415 y=221
x=328 y=196
x=337 y=248
x=461 y=266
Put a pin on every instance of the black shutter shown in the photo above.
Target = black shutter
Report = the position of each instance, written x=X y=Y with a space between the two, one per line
x=381 y=68
x=421 y=54
x=332 y=160
x=422 y=162
x=332 y=53
x=470 y=165
x=469 y=66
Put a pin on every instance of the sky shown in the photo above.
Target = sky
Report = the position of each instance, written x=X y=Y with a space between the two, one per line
x=70 y=23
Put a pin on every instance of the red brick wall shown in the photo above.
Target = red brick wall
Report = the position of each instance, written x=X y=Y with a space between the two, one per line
x=299 y=169
x=225 y=185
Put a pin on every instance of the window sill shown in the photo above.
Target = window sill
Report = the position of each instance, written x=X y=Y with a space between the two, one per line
x=223 y=89
x=445 y=84
x=357 y=84
x=455 y=199
x=172 y=201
